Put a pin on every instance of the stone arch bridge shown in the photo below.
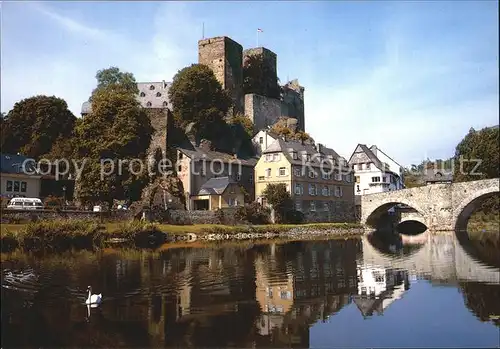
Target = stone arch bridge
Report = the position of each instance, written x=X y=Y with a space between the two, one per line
x=441 y=207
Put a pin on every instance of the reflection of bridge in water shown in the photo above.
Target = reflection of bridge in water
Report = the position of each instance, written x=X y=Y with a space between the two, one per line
x=441 y=257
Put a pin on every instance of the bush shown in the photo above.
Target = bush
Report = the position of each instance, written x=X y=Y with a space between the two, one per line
x=253 y=213
x=219 y=214
x=53 y=202
x=294 y=217
x=62 y=233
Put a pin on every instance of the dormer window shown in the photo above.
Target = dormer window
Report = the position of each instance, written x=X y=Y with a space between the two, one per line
x=165 y=104
x=158 y=94
x=308 y=157
x=368 y=165
x=148 y=104
x=143 y=94
x=151 y=87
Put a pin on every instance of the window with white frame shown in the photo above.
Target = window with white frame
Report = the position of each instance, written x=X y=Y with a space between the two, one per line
x=312 y=174
x=282 y=171
x=313 y=205
x=297 y=171
x=269 y=157
x=312 y=189
x=261 y=140
x=299 y=189
x=268 y=172
x=325 y=206
x=276 y=157
x=294 y=155
x=325 y=191
x=360 y=166
x=375 y=179
x=368 y=165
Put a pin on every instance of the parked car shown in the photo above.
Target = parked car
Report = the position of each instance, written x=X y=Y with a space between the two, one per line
x=25 y=204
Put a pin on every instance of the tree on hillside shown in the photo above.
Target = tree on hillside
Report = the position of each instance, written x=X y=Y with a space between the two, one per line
x=197 y=96
x=477 y=146
x=287 y=127
x=279 y=199
x=114 y=78
x=244 y=121
x=34 y=124
x=258 y=77
x=117 y=129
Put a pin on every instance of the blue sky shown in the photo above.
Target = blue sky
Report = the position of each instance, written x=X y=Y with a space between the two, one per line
x=410 y=77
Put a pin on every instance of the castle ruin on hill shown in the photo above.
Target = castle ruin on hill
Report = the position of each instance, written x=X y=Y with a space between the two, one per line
x=227 y=59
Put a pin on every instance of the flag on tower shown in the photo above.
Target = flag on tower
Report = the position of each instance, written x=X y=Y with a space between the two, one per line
x=260 y=30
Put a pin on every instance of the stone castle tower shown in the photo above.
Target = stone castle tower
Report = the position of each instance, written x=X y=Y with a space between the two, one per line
x=226 y=59
x=269 y=58
x=225 y=56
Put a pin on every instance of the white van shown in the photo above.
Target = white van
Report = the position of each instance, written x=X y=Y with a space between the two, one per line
x=25 y=204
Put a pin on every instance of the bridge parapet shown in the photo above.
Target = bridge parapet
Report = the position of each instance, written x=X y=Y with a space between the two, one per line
x=440 y=205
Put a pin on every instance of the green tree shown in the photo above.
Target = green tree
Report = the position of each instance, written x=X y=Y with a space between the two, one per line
x=259 y=78
x=197 y=96
x=477 y=147
x=34 y=124
x=117 y=129
x=114 y=78
x=244 y=121
x=279 y=199
x=283 y=128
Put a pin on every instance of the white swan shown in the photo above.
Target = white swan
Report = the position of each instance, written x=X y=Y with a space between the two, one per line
x=93 y=298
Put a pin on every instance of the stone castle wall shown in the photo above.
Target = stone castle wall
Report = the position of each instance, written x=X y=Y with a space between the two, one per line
x=225 y=56
x=263 y=111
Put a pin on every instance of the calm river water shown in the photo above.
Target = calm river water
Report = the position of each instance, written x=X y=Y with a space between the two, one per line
x=316 y=294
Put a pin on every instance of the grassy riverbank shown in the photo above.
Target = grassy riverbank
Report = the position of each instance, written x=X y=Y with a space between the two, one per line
x=63 y=234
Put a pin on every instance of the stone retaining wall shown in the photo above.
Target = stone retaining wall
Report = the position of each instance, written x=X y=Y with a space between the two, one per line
x=8 y=216
x=184 y=217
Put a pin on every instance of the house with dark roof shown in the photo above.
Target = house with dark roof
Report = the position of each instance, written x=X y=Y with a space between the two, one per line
x=19 y=177
x=197 y=163
x=320 y=181
x=433 y=176
x=217 y=193
x=375 y=171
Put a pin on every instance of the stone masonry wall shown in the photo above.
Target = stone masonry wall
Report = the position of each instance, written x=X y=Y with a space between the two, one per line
x=344 y=212
x=440 y=205
x=225 y=57
x=263 y=111
x=293 y=106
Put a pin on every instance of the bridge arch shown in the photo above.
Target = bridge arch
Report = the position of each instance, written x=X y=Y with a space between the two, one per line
x=469 y=204
x=380 y=206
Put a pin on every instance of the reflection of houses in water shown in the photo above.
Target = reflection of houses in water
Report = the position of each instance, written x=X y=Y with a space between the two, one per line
x=317 y=283
x=378 y=287
x=263 y=297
